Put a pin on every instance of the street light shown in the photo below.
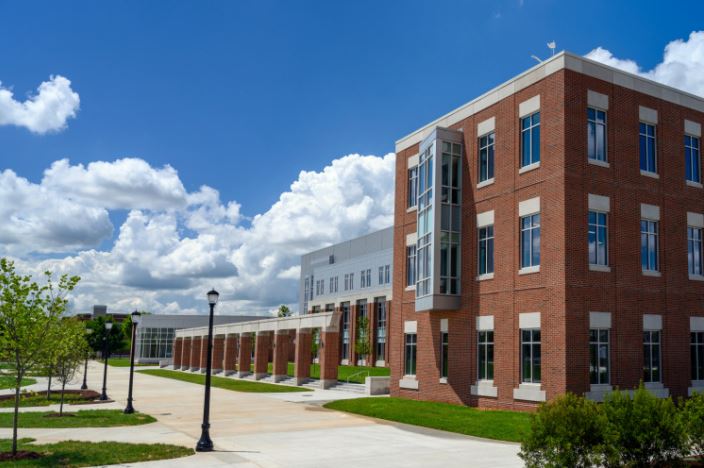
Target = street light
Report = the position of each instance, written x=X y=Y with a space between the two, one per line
x=106 y=350
x=135 y=321
x=85 y=368
x=205 y=444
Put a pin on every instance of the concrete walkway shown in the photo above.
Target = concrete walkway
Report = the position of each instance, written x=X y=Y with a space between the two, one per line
x=275 y=430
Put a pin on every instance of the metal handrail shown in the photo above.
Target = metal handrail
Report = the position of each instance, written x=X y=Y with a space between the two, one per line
x=357 y=373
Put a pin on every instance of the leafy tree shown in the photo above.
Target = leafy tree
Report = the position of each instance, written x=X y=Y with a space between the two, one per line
x=284 y=311
x=71 y=348
x=693 y=409
x=315 y=342
x=29 y=315
x=361 y=345
x=96 y=339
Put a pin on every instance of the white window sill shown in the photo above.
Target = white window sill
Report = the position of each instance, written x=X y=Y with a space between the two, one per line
x=697 y=386
x=602 y=268
x=529 y=167
x=654 y=175
x=597 y=162
x=597 y=392
x=696 y=278
x=411 y=209
x=691 y=183
x=485 y=276
x=409 y=382
x=529 y=270
x=485 y=183
x=410 y=288
x=443 y=380
x=657 y=389
x=529 y=392
x=653 y=273
x=484 y=388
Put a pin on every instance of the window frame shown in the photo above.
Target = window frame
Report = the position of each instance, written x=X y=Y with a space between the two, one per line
x=412 y=187
x=644 y=149
x=485 y=342
x=534 y=362
x=597 y=225
x=696 y=344
x=410 y=353
x=527 y=154
x=485 y=162
x=529 y=231
x=444 y=354
x=410 y=266
x=598 y=343
x=646 y=236
x=595 y=123
x=692 y=152
x=695 y=269
x=485 y=239
x=648 y=367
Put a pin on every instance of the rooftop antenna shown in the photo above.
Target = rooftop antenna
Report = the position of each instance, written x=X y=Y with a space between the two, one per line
x=552 y=45
x=536 y=58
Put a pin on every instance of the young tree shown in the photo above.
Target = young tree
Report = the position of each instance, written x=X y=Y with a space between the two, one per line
x=361 y=345
x=29 y=315
x=71 y=347
x=284 y=311
x=96 y=338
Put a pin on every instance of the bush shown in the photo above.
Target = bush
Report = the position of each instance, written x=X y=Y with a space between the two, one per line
x=568 y=431
x=647 y=430
x=693 y=410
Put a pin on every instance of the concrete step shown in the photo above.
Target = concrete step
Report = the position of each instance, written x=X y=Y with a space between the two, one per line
x=350 y=387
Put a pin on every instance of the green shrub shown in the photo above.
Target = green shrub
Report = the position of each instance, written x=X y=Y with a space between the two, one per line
x=647 y=430
x=568 y=431
x=693 y=410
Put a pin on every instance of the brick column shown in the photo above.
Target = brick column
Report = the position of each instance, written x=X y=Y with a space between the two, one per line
x=195 y=353
x=218 y=353
x=204 y=353
x=176 y=352
x=186 y=353
x=281 y=345
x=329 y=351
x=261 y=355
x=304 y=355
x=229 y=354
x=244 y=357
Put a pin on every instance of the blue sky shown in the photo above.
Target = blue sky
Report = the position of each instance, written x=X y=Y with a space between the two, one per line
x=243 y=95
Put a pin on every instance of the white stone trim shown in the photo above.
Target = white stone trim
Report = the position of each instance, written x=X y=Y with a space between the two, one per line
x=657 y=389
x=529 y=207
x=485 y=219
x=485 y=183
x=484 y=388
x=599 y=319
x=528 y=320
x=529 y=392
x=648 y=115
x=529 y=270
x=411 y=239
x=597 y=162
x=652 y=322
x=695 y=219
x=487 y=126
x=601 y=268
x=650 y=174
x=485 y=276
x=696 y=277
x=410 y=326
x=650 y=212
x=529 y=167
x=444 y=325
x=597 y=100
x=691 y=183
x=485 y=323
x=599 y=203
x=529 y=106
x=696 y=324
x=697 y=387
x=408 y=382
x=692 y=128
x=597 y=392
x=653 y=273
x=413 y=161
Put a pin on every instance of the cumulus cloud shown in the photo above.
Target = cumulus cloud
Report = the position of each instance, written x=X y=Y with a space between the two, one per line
x=682 y=65
x=46 y=111
x=175 y=245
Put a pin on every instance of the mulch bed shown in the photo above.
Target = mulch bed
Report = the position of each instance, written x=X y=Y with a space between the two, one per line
x=87 y=395
x=20 y=455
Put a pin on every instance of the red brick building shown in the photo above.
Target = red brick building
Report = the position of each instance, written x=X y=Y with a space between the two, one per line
x=548 y=238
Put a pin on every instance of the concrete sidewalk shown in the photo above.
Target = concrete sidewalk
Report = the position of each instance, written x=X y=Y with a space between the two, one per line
x=276 y=430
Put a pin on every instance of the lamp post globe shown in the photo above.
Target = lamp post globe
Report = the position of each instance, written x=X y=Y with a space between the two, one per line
x=136 y=316
x=204 y=443
x=106 y=351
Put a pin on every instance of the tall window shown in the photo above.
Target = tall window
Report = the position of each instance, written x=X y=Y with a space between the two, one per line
x=345 y=306
x=486 y=157
x=362 y=279
x=691 y=159
x=411 y=265
x=351 y=280
x=444 y=353
x=381 y=329
x=598 y=238
x=387 y=274
x=694 y=250
x=697 y=355
x=486 y=355
x=648 y=159
x=369 y=277
x=425 y=219
x=381 y=275
x=347 y=281
x=486 y=250
x=333 y=284
x=530 y=139
x=409 y=367
x=649 y=245
x=651 y=356
x=361 y=309
x=596 y=134
x=450 y=174
x=412 y=187
x=530 y=355
x=599 y=356
x=530 y=240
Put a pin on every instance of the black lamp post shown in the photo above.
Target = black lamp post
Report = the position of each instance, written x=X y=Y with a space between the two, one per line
x=106 y=350
x=85 y=367
x=135 y=321
x=205 y=444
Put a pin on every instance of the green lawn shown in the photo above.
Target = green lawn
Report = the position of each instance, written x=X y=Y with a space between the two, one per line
x=73 y=453
x=343 y=372
x=83 y=418
x=222 y=382
x=499 y=425
x=39 y=399
x=124 y=362
x=7 y=381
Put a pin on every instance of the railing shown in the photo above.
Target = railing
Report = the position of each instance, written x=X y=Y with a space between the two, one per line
x=357 y=373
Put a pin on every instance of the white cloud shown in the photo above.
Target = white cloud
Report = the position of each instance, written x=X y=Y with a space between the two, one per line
x=46 y=111
x=682 y=65
x=175 y=245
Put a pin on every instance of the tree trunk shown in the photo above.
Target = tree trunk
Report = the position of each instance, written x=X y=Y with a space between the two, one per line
x=61 y=406
x=15 y=417
x=48 y=388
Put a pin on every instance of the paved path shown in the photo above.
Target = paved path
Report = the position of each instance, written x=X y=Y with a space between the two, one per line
x=276 y=430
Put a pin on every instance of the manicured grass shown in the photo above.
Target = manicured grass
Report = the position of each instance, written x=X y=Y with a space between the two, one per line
x=7 y=381
x=83 y=418
x=39 y=399
x=499 y=425
x=73 y=453
x=358 y=373
x=124 y=362
x=222 y=382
